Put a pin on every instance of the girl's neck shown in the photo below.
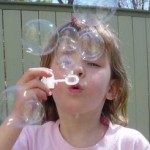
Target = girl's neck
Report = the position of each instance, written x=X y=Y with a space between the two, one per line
x=82 y=131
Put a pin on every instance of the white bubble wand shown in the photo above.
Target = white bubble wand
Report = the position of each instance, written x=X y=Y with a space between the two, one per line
x=70 y=79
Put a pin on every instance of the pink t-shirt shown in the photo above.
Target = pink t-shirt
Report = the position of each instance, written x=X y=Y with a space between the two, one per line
x=48 y=137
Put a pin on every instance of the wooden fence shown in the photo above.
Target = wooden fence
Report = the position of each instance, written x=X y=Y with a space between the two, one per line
x=132 y=27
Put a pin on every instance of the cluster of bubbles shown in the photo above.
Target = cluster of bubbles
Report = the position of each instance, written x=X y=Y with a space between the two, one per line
x=41 y=37
x=30 y=109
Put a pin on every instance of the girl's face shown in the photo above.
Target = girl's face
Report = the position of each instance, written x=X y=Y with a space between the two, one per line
x=90 y=93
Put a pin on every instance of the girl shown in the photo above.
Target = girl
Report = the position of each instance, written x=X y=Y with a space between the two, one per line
x=90 y=115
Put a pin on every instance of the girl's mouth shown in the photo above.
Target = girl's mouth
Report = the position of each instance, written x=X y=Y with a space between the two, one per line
x=75 y=89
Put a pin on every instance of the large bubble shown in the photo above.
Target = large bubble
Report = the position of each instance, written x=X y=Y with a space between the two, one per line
x=66 y=51
x=39 y=37
x=95 y=11
x=91 y=45
x=20 y=107
x=70 y=32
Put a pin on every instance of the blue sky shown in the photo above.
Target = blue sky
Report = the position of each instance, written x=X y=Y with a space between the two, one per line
x=125 y=3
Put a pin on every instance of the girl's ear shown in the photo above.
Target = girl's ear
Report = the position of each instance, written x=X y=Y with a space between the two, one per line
x=113 y=89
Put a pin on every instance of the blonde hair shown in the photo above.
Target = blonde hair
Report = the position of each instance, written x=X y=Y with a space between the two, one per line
x=115 y=110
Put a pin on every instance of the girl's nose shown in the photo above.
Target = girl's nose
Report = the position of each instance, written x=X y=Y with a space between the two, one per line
x=79 y=71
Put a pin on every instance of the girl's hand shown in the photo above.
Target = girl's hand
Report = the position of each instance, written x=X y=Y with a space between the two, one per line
x=30 y=80
x=33 y=87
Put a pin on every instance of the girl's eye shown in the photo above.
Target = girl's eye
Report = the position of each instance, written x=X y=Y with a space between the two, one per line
x=93 y=64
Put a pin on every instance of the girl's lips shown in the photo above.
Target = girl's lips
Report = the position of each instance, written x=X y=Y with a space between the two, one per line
x=75 y=88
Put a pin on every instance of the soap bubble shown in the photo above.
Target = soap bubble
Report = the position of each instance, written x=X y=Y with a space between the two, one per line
x=95 y=11
x=20 y=107
x=66 y=54
x=67 y=48
x=88 y=45
x=69 y=32
x=91 y=45
x=38 y=36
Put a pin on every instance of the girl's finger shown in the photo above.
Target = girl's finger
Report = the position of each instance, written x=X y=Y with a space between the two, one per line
x=40 y=94
x=33 y=73
x=35 y=83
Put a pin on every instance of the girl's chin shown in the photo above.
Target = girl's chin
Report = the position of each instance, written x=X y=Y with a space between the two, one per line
x=76 y=112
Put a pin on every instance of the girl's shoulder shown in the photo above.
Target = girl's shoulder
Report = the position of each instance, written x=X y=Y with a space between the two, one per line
x=126 y=132
x=127 y=137
x=37 y=137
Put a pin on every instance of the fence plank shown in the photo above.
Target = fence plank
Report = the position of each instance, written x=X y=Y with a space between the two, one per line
x=48 y=15
x=114 y=24
x=148 y=49
x=13 y=54
x=126 y=39
x=141 y=77
x=62 y=18
x=30 y=60
x=2 y=72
